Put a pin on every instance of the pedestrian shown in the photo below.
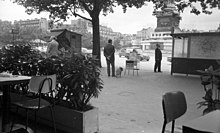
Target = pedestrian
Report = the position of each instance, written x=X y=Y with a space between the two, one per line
x=109 y=53
x=158 y=58
x=52 y=48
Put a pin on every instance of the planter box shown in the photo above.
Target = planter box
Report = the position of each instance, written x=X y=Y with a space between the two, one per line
x=68 y=120
x=71 y=121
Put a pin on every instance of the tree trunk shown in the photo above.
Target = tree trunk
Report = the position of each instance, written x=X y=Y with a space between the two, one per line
x=96 y=38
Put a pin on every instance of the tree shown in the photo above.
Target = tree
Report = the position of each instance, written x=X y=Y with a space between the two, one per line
x=5 y=32
x=29 y=33
x=117 y=44
x=63 y=9
x=87 y=40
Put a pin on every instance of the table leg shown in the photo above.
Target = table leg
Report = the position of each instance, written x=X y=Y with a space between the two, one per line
x=1 y=110
x=5 y=111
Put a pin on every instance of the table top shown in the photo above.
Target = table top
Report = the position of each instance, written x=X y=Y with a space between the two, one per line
x=13 y=79
x=207 y=123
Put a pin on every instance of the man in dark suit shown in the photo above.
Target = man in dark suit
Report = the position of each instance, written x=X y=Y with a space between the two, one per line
x=158 y=58
x=109 y=53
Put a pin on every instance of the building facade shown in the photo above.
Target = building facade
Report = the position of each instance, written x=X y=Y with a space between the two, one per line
x=105 y=32
x=144 y=34
x=41 y=23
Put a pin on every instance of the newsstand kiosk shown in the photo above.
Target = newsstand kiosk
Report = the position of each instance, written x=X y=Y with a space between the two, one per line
x=194 y=51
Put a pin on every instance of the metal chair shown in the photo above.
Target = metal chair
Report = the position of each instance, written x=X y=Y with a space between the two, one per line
x=1 y=99
x=42 y=86
x=20 y=130
x=174 y=105
x=131 y=65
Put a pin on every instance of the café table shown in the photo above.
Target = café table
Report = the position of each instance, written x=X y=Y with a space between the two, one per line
x=4 y=82
x=209 y=123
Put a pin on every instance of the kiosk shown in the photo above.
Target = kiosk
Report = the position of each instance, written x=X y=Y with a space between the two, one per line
x=195 y=51
x=68 y=40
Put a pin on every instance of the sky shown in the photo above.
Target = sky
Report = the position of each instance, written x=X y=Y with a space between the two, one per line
x=128 y=23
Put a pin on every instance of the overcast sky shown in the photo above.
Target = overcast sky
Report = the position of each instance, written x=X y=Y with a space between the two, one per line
x=130 y=22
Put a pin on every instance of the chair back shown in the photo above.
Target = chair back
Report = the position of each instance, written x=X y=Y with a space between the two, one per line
x=129 y=64
x=42 y=84
x=54 y=81
x=36 y=83
x=174 y=105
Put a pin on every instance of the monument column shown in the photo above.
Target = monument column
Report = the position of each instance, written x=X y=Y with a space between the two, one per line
x=167 y=18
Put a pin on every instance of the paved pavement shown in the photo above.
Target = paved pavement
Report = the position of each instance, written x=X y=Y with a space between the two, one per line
x=132 y=104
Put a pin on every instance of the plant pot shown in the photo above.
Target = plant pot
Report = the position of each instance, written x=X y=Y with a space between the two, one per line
x=217 y=105
x=68 y=120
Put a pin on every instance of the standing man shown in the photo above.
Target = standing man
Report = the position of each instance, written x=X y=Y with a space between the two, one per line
x=109 y=53
x=158 y=58
x=52 y=48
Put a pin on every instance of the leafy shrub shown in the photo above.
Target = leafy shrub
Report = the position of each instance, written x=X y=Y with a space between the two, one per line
x=210 y=79
x=78 y=78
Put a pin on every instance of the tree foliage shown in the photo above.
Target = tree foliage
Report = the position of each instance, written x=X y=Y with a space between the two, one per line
x=5 y=32
x=197 y=6
x=78 y=77
x=117 y=44
x=64 y=9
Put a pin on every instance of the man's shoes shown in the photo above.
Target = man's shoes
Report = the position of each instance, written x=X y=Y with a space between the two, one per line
x=160 y=71
x=113 y=76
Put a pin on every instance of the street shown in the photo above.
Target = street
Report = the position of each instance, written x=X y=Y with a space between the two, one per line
x=144 y=65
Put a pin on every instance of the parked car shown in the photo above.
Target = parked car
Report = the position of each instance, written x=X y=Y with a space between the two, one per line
x=143 y=56
x=86 y=52
x=125 y=52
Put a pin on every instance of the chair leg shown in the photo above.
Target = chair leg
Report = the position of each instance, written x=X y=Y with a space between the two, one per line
x=13 y=119
x=173 y=123
x=125 y=71
x=1 y=99
x=164 y=126
x=26 y=125
x=52 y=115
x=35 y=121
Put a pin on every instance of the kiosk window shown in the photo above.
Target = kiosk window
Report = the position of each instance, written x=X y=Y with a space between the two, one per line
x=180 y=47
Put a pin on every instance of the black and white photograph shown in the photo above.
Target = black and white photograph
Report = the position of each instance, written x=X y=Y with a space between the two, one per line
x=109 y=66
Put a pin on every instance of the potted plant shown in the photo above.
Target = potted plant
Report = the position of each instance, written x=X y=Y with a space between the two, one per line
x=210 y=79
x=78 y=80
